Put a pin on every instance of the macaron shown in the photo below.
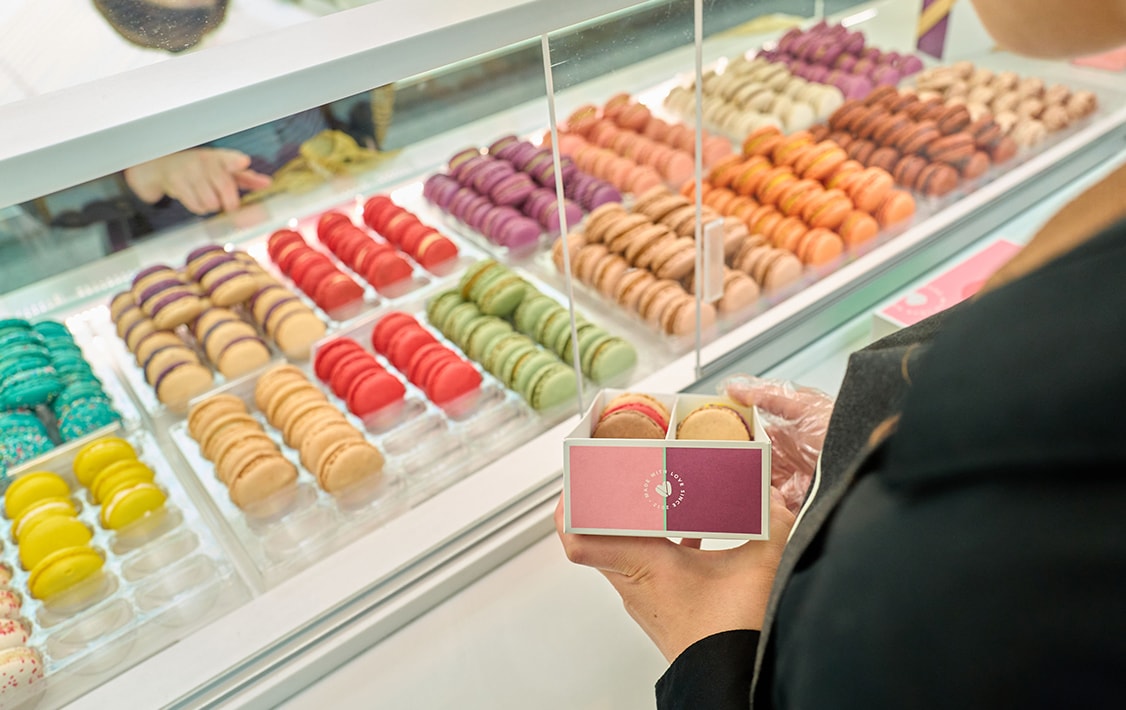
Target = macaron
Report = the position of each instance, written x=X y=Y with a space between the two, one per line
x=61 y=570
x=348 y=462
x=631 y=418
x=50 y=534
x=261 y=480
x=714 y=422
x=30 y=488
x=42 y=508
x=127 y=505
x=119 y=475
x=92 y=458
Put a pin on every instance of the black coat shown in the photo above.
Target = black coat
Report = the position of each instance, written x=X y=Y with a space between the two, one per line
x=977 y=558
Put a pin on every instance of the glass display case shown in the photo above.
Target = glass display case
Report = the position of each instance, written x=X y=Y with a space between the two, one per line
x=417 y=239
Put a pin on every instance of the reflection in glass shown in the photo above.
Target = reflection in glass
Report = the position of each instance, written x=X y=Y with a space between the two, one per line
x=172 y=25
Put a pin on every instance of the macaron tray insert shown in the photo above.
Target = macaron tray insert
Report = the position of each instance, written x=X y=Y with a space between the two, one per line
x=103 y=574
x=440 y=431
x=282 y=512
x=175 y=334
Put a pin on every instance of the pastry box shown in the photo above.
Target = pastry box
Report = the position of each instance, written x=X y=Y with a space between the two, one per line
x=667 y=487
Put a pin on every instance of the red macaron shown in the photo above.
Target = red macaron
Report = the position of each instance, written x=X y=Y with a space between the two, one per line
x=388 y=327
x=372 y=391
x=330 y=354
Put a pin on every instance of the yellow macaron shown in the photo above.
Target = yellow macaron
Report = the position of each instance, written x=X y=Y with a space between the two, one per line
x=128 y=505
x=118 y=475
x=63 y=569
x=40 y=509
x=96 y=455
x=30 y=488
x=51 y=533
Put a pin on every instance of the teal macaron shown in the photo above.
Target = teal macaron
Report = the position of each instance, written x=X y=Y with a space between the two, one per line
x=52 y=329
x=13 y=325
x=22 y=437
x=85 y=416
x=30 y=387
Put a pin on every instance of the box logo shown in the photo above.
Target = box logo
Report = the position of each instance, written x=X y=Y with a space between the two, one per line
x=663 y=489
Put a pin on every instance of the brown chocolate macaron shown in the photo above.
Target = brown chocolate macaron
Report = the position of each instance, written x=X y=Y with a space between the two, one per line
x=885 y=157
x=907 y=170
x=953 y=119
x=937 y=179
x=954 y=149
x=919 y=137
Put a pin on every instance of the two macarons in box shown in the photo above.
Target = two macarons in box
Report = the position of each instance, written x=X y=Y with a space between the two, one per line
x=666 y=465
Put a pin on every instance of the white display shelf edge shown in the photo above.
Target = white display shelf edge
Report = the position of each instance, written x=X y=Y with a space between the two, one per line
x=64 y=138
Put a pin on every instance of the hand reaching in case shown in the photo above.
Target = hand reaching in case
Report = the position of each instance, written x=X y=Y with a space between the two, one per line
x=204 y=180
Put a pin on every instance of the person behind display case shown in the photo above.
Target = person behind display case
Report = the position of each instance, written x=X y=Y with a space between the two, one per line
x=966 y=547
x=217 y=176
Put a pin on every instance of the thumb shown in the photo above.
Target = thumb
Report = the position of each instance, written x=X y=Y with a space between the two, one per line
x=771 y=396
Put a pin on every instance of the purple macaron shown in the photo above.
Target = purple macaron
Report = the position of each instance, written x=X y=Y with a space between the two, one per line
x=512 y=190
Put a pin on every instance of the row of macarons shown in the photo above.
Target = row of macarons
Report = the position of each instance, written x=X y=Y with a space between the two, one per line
x=749 y=94
x=834 y=54
x=625 y=143
x=524 y=337
x=249 y=461
x=1024 y=107
x=507 y=192
x=787 y=186
x=234 y=340
x=380 y=263
x=636 y=415
x=906 y=135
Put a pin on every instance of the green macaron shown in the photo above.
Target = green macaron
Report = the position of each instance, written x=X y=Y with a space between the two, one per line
x=531 y=311
x=502 y=295
x=441 y=304
x=526 y=370
x=501 y=350
x=480 y=341
x=552 y=387
x=608 y=361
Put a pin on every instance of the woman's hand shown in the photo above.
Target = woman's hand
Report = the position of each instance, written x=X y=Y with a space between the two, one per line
x=679 y=593
x=204 y=180
x=796 y=420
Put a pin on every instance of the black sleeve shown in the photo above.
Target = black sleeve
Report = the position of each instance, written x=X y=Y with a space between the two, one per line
x=714 y=673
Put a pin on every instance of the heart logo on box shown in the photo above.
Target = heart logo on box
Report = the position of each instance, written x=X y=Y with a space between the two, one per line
x=664 y=489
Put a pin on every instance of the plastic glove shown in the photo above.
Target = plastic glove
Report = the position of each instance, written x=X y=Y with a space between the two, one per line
x=678 y=593
x=204 y=180
x=796 y=419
